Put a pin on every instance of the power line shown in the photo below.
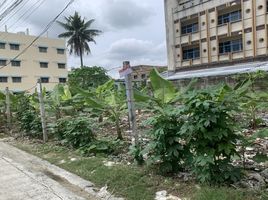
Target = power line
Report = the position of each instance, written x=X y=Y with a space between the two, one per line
x=32 y=9
x=3 y=3
x=44 y=31
x=14 y=13
x=10 y=9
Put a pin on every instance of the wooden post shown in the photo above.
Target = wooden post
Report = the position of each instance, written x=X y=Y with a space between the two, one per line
x=130 y=102
x=42 y=110
x=8 y=112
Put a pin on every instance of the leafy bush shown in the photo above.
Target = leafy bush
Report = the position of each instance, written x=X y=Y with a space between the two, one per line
x=103 y=146
x=28 y=117
x=166 y=147
x=211 y=132
x=75 y=132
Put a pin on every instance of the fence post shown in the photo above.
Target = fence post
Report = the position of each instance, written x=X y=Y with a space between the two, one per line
x=42 y=110
x=8 y=112
x=130 y=101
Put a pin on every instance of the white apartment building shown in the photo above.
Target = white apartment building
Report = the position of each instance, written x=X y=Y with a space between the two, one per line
x=45 y=59
x=212 y=33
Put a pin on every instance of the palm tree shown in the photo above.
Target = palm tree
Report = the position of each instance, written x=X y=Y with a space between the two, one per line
x=79 y=34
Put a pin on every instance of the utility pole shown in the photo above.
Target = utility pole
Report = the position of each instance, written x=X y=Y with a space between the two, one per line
x=42 y=110
x=126 y=72
x=8 y=112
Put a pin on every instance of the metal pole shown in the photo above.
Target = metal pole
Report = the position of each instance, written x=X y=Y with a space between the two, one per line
x=8 y=112
x=130 y=102
x=42 y=111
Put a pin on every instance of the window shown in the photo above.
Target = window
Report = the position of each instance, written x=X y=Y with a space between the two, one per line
x=15 y=63
x=190 y=28
x=60 y=51
x=230 y=46
x=2 y=45
x=62 y=80
x=61 y=65
x=14 y=46
x=3 y=79
x=16 y=79
x=3 y=62
x=192 y=53
x=229 y=17
x=143 y=76
x=44 y=80
x=42 y=49
x=43 y=64
x=135 y=76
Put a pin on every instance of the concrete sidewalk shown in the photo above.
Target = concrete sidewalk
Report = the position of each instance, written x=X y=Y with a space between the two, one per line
x=26 y=177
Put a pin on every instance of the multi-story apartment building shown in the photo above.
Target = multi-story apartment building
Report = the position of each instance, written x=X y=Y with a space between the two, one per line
x=204 y=33
x=45 y=59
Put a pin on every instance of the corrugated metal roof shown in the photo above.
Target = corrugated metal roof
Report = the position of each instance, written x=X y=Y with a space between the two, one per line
x=219 y=71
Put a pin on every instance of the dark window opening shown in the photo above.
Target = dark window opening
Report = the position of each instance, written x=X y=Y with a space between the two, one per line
x=3 y=79
x=44 y=80
x=43 y=49
x=15 y=63
x=230 y=46
x=43 y=64
x=143 y=76
x=229 y=17
x=135 y=76
x=16 y=79
x=2 y=45
x=3 y=62
x=14 y=46
x=60 y=51
x=61 y=65
x=62 y=80
x=190 y=28
x=193 y=53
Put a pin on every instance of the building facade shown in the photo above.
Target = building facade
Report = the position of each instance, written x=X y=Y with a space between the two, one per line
x=141 y=73
x=45 y=59
x=204 y=33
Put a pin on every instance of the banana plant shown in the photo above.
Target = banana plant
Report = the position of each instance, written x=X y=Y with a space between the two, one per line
x=57 y=99
x=106 y=100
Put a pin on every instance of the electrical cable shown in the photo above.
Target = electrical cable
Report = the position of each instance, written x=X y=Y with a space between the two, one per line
x=41 y=2
x=5 y=21
x=44 y=31
x=10 y=9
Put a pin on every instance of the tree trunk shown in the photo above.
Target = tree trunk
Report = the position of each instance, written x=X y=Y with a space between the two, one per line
x=81 y=57
x=118 y=130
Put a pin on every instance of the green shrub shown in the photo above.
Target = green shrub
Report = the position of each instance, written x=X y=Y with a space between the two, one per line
x=28 y=117
x=211 y=132
x=166 y=147
x=103 y=146
x=75 y=132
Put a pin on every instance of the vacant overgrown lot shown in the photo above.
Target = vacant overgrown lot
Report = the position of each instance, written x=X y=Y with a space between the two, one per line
x=130 y=181
x=195 y=143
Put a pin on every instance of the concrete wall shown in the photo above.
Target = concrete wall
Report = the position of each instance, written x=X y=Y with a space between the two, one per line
x=30 y=69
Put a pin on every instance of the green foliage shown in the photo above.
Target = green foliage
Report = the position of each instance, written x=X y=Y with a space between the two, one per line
x=76 y=132
x=28 y=116
x=136 y=152
x=210 y=131
x=103 y=146
x=79 y=34
x=107 y=100
x=166 y=147
x=87 y=77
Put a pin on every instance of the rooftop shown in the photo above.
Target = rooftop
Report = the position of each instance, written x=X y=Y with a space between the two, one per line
x=219 y=71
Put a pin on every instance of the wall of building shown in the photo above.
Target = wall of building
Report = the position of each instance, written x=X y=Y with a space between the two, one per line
x=251 y=29
x=30 y=70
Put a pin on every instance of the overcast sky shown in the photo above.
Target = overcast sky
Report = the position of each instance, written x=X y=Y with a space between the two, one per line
x=132 y=29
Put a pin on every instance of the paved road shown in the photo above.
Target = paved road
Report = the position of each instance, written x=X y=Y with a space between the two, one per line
x=25 y=177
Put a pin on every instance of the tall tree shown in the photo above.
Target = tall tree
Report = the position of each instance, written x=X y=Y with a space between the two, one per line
x=79 y=34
